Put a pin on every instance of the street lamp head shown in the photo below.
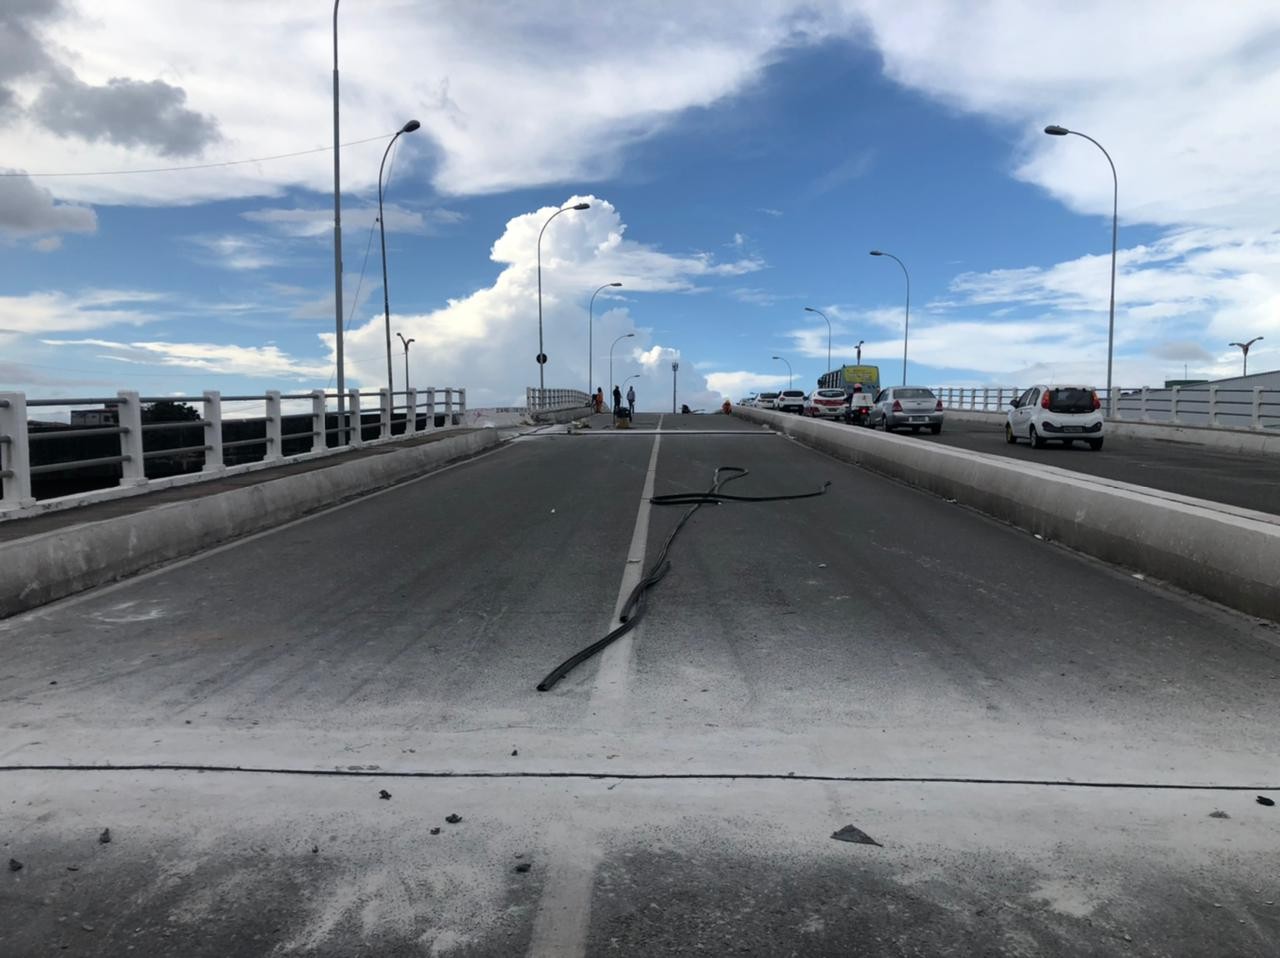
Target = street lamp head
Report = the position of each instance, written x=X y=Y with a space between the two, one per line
x=810 y=309
x=615 y=284
x=583 y=206
x=628 y=336
x=410 y=126
x=876 y=252
x=1055 y=130
x=777 y=357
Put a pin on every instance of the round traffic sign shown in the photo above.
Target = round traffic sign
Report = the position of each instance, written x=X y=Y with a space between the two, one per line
x=542 y=359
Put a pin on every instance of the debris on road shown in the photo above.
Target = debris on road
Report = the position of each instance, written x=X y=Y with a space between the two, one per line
x=851 y=833
x=315 y=849
x=523 y=867
x=1263 y=800
x=105 y=837
x=436 y=830
x=383 y=793
x=15 y=865
x=515 y=751
x=453 y=819
x=1218 y=813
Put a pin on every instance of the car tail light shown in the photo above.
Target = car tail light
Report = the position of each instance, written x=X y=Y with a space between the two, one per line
x=897 y=406
x=1097 y=403
x=1044 y=400
x=938 y=407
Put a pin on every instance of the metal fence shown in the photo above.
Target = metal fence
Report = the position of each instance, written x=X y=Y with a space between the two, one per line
x=551 y=400
x=1208 y=406
x=122 y=442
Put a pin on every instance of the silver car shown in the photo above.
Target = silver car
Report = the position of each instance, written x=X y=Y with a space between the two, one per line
x=910 y=407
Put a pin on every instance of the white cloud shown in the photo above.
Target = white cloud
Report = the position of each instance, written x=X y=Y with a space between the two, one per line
x=318 y=221
x=56 y=312
x=237 y=252
x=740 y=383
x=27 y=209
x=262 y=362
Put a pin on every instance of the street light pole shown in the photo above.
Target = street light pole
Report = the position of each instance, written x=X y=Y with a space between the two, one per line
x=406 y=369
x=1055 y=130
x=614 y=343
x=675 y=368
x=382 y=232
x=810 y=309
x=337 y=246
x=1245 y=348
x=542 y=356
x=789 y=376
x=860 y=342
x=591 y=391
x=906 y=326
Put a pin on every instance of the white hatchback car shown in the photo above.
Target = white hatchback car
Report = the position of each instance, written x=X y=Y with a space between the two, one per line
x=1056 y=414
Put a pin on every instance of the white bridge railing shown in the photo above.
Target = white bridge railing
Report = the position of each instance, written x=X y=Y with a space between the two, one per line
x=113 y=443
x=552 y=400
x=1208 y=406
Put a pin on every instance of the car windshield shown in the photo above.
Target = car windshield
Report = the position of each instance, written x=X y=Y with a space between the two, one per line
x=1071 y=399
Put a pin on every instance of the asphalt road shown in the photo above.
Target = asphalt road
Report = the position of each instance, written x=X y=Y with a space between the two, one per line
x=1251 y=482
x=802 y=667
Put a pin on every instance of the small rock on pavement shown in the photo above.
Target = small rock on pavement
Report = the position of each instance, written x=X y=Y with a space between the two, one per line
x=851 y=833
x=315 y=849
x=105 y=837
x=15 y=865
x=436 y=830
x=453 y=819
x=523 y=867
x=383 y=793
x=1218 y=813
x=1263 y=800
x=515 y=751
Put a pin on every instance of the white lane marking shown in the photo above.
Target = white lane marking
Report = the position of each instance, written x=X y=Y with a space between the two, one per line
x=564 y=910
x=610 y=690
x=71 y=600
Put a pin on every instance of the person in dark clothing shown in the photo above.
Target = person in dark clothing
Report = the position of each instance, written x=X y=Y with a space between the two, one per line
x=617 y=399
x=631 y=401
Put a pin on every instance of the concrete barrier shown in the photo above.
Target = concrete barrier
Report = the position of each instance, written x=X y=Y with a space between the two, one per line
x=1243 y=441
x=1221 y=552
x=42 y=568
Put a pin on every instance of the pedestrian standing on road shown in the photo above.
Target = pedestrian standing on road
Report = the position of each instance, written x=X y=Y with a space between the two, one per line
x=599 y=397
x=617 y=400
x=631 y=401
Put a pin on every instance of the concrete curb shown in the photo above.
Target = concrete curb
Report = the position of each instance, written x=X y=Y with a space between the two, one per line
x=1243 y=441
x=1226 y=554
x=42 y=568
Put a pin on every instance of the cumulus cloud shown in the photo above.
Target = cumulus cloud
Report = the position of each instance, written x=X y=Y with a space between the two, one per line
x=30 y=210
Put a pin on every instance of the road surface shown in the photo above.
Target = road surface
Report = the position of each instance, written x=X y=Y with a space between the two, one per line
x=1053 y=757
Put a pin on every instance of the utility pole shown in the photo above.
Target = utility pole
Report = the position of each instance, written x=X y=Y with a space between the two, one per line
x=674 y=368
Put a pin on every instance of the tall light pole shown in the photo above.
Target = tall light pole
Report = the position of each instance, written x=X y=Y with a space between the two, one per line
x=859 y=348
x=675 y=368
x=337 y=245
x=614 y=343
x=386 y=296
x=906 y=326
x=1055 y=130
x=591 y=390
x=789 y=377
x=810 y=309
x=1245 y=347
x=542 y=356
x=406 y=370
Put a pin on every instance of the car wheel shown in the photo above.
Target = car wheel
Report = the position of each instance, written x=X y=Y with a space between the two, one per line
x=1095 y=444
x=936 y=429
x=1036 y=441
x=1009 y=437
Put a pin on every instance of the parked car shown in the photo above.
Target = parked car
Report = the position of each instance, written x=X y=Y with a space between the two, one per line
x=748 y=401
x=913 y=407
x=858 y=410
x=1056 y=414
x=790 y=400
x=767 y=401
x=826 y=403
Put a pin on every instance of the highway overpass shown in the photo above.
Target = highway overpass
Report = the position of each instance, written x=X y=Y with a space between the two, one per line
x=326 y=737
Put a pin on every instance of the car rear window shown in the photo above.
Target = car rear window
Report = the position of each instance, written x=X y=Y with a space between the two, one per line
x=1071 y=400
x=831 y=393
x=793 y=393
x=767 y=396
x=913 y=393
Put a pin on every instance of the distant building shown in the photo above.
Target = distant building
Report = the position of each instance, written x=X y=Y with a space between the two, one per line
x=108 y=415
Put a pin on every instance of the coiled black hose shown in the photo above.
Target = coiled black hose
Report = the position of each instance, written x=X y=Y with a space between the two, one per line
x=634 y=607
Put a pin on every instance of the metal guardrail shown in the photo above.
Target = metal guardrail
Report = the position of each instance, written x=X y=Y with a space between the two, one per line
x=418 y=412
x=552 y=400
x=1212 y=407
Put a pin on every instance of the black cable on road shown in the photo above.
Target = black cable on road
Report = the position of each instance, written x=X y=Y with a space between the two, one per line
x=634 y=607
x=649 y=776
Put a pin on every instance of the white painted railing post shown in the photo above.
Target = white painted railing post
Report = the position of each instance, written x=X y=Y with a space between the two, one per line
x=448 y=406
x=275 y=430
x=1142 y=405
x=462 y=402
x=133 y=471
x=356 y=432
x=1173 y=404
x=431 y=408
x=986 y=398
x=213 y=431
x=1255 y=416
x=384 y=413
x=15 y=454
x=1213 y=405
x=411 y=413
x=319 y=438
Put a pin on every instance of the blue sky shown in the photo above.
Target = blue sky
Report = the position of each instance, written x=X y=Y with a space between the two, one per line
x=741 y=161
